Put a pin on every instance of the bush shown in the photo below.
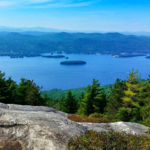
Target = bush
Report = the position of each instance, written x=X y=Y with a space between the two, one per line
x=96 y=115
x=92 y=140
x=124 y=114
x=87 y=119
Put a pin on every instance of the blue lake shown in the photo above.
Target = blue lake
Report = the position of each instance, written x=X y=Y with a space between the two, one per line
x=48 y=72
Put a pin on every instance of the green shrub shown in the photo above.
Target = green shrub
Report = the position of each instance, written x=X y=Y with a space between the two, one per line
x=96 y=115
x=124 y=114
x=92 y=140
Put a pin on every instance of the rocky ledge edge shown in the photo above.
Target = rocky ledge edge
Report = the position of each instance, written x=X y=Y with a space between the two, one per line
x=44 y=128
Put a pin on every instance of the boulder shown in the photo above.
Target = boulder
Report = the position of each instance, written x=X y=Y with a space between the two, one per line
x=44 y=128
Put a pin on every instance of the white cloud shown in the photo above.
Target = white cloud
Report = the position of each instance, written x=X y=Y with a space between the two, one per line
x=60 y=5
x=6 y=3
x=38 y=1
x=44 y=3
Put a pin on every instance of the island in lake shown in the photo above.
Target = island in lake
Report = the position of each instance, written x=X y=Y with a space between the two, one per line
x=148 y=57
x=53 y=56
x=73 y=62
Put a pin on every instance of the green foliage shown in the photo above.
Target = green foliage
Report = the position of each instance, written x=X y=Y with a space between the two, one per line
x=50 y=102
x=124 y=114
x=58 y=93
x=133 y=87
x=94 y=100
x=78 y=92
x=85 y=105
x=145 y=109
x=26 y=93
x=115 y=98
x=96 y=115
x=7 y=89
x=69 y=104
x=133 y=77
x=131 y=100
x=29 y=93
x=92 y=140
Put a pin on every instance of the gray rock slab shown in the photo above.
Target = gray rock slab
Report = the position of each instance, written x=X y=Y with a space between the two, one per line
x=34 y=108
x=44 y=128
x=128 y=127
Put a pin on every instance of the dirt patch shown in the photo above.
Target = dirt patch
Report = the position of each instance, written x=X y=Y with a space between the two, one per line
x=12 y=146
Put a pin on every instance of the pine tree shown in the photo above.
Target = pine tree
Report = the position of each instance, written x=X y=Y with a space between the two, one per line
x=10 y=91
x=115 y=98
x=68 y=104
x=2 y=87
x=94 y=100
x=29 y=93
x=145 y=109
x=131 y=100
x=7 y=89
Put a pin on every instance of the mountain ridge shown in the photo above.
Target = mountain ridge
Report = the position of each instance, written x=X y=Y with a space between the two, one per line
x=87 y=43
x=48 y=29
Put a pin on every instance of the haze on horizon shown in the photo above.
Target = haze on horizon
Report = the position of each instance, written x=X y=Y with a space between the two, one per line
x=77 y=15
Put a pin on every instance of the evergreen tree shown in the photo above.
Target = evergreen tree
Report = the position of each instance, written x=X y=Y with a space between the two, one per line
x=2 y=87
x=29 y=94
x=133 y=87
x=7 y=89
x=94 y=100
x=50 y=102
x=145 y=109
x=61 y=103
x=100 y=101
x=68 y=104
x=115 y=98
x=10 y=91
x=131 y=100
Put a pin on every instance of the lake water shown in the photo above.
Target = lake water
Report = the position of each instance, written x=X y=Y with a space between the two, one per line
x=48 y=72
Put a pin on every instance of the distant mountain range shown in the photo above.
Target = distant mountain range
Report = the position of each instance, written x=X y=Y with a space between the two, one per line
x=38 y=29
x=25 y=43
x=42 y=31
x=140 y=33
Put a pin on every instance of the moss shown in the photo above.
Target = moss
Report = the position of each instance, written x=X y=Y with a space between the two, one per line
x=92 y=140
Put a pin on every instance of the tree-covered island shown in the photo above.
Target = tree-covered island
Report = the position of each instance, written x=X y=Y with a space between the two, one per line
x=53 y=56
x=148 y=57
x=73 y=62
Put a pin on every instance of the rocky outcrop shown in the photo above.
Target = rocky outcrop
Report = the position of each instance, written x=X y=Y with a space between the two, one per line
x=128 y=127
x=44 y=128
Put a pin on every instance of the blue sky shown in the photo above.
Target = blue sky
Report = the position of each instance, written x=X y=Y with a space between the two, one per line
x=88 y=15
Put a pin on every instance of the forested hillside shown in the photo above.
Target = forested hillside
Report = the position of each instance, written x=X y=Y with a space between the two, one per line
x=110 y=43
x=58 y=93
